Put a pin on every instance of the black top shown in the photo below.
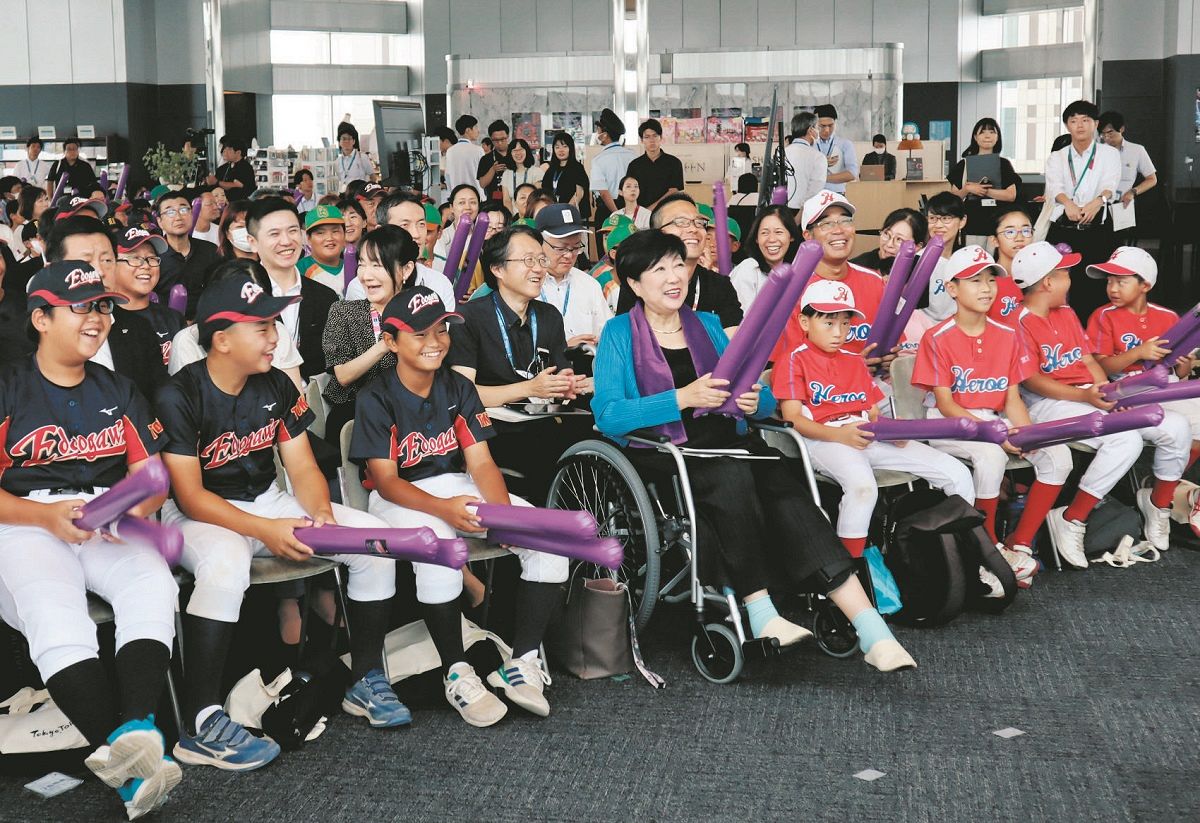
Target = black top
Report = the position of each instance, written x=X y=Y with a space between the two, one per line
x=478 y=344
x=717 y=295
x=71 y=437
x=560 y=182
x=79 y=174
x=241 y=170
x=872 y=260
x=981 y=219
x=15 y=345
x=426 y=436
x=712 y=431
x=494 y=192
x=655 y=177
x=192 y=271
x=165 y=322
x=887 y=160
x=136 y=350
x=233 y=437
x=316 y=300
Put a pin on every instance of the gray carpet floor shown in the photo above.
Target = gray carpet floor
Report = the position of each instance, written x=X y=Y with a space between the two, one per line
x=1099 y=669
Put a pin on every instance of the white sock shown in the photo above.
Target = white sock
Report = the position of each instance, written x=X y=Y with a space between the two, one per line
x=530 y=656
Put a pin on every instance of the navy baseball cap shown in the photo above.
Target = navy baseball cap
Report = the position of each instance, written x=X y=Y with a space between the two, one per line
x=416 y=310
x=237 y=300
x=372 y=190
x=70 y=206
x=136 y=236
x=559 y=220
x=66 y=283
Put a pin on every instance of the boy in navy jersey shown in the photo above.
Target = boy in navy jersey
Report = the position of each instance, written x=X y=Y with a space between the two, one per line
x=421 y=432
x=69 y=429
x=224 y=416
x=139 y=258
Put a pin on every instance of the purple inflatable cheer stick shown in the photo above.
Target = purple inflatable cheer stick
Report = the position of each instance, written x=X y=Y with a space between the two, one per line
x=1183 y=390
x=603 y=551
x=458 y=245
x=197 y=204
x=721 y=216
x=468 y=270
x=886 y=317
x=349 y=265
x=103 y=509
x=452 y=552
x=419 y=545
x=1140 y=417
x=58 y=190
x=122 y=181
x=779 y=196
x=297 y=195
x=177 y=300
x=1053 y=432
x=1063 y=248
x=914 y=289
x=934 y=428
x=104 y=184
x=991 y=431
x=168 y=540
x=559 y=522
x=1154 y=377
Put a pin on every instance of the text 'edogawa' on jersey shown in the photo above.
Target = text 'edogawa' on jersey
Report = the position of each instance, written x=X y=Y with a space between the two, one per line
x=57 y=437
x=829 y=384
x=233 y=437
x=426 y=436
x=978 y=369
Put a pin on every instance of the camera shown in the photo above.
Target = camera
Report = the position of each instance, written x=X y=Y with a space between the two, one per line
x=199 y=132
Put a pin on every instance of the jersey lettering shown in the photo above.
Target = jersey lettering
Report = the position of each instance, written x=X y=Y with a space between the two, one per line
x=822 y=393
x=860 y=332
x=965 y=384
x=939 y=286
x=228 y=446
x=301 y=407
x=1130 y=341
x=1008 y=305
x=415 y=447
x=1055 y=358
x=483 y=419
x=51 y=444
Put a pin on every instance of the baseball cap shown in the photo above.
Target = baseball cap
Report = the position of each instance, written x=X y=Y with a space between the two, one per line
x=829 y=297
x=371 y=190
x=559 y=220
x=124 y=207
x=322 y=216
x=135 y=236
x=525 y=221
x=237 y=300
x=415 y=310
x=69 y=206
x=970 y=261
x=821 y=202
x=613 y=220
x=621 y=232
x=432 y=216
x=1036 y=260
x=706 y=211
x=1127 y=260
x=735 y=230
x=65 y=283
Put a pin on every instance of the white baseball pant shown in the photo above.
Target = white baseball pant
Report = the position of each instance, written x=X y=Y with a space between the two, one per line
x=439 y=584
x=1051 y=465
x=1115 y=453
x=44 y=583
x=853 y=469
x=220 y=558
x=1188 y=408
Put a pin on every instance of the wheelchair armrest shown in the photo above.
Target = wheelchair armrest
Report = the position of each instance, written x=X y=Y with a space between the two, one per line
x=647 y=436
x=769 y=424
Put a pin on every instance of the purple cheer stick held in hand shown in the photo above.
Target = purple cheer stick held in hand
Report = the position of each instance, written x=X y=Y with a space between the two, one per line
x=349 y=265
x=419 y=545
x=885 y=318
x=468 y=270
x=1139 y=417
x=122 y=181
x=779 y=196
x=168 y=540
x=58 y=190
x=177 y=299
x=128 y=492
x=721 y=217
x=1053 y=432
x=104 y=184
x=603 y=551
x=1063 y=248
x=458 y=245
x=197 y=204
x=1183 y=390
x=934 y=428
x=1154 y=377
x=559 y=522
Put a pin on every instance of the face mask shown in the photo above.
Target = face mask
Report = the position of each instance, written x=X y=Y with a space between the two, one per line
x=881 y=151
x=240 y=238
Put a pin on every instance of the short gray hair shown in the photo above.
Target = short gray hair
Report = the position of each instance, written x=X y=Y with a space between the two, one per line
x=802 y=122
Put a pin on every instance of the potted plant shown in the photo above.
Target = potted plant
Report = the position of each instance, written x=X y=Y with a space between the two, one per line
x=173 y=169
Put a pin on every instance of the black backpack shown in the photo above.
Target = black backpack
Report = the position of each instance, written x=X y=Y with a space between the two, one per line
x=935 y=547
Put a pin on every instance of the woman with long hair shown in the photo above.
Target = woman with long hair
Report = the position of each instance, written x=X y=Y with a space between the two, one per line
x=565 y=180
x=528 y=172
x=233 y=241
x=899 y=226
x=773 y=239
x=984 y=198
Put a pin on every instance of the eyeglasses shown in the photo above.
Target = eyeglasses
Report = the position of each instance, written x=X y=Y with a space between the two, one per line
x=570 y=251
x=834 y=222
x=689 y=222
x=1010 y=234
x=141 y=262
x=889 y=237
x=942 y=219
x=530 y=261
x=172 y=212
x=104 y=305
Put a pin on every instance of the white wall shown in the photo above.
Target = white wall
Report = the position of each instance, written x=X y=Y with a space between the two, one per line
x=90 y=48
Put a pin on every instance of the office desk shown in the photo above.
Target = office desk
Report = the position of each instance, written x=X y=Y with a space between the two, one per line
x=874 y=201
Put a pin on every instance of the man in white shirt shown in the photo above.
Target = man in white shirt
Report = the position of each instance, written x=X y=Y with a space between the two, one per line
x=840 y=160
x=32 y=169
x=462 y=159
x=1081 y=180
x=610 y=165
x=1134 y=159
x=575 y=293
x=405 y=211
x=207 y=227
x=806 y=167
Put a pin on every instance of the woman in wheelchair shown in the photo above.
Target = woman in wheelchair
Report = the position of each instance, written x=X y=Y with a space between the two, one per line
x=756 y=521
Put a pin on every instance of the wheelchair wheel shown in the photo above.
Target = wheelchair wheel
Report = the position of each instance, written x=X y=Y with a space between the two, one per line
x=594 y=476
x=833 y=631
x=717 y=654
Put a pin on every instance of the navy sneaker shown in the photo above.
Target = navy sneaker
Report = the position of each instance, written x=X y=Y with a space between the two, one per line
x=222 y=743
x=372 y=697
x=133 y=750
x=142 y=796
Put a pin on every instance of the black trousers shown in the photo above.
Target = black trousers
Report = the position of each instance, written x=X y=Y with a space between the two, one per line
x=1096 y=244
x=533 y=447
x=757 y=525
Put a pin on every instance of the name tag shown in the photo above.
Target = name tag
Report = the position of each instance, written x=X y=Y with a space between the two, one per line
x=987 y=201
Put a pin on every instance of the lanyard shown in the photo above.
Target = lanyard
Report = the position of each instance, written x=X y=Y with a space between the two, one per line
x=566 y=298
x=1086 y=168
x=696 y=300
x=508 y=350
x=346 y=168
x=826 y=151
x=375 y=323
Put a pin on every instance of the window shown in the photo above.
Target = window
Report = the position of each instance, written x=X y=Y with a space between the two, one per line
x=1042 y=28
x=322 y=48
x=303 y=119
x=1031 y=117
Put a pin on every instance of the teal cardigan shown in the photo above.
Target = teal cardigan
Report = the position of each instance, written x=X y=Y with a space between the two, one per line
x=620 y=408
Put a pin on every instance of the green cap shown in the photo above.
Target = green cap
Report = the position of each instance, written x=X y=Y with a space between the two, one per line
x=735 y=231
x=706 y=211
x=158 y=191
x=432 y=216
x=323 y=215
x=525 y=221
x=618 y=234
x=613 y=220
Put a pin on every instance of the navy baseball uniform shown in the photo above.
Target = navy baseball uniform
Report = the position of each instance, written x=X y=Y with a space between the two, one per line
x=166 y=323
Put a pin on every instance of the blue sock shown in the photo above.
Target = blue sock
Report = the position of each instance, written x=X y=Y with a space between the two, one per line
x=871 y=629
x=760 y=612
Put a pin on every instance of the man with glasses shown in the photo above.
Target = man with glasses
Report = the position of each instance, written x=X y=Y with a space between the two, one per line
x=840 y=160
x=576 y=294
x=188 y=260
x=139 y=258
x=659 y=174
x=406 y=211
x=1135 y=162
x=806 y=169
x=493 y=164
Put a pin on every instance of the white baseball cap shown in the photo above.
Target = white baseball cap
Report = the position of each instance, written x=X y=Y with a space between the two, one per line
x=829 y=297
x=1037 y=260
x=970 y=261
x=1126 y=261
x=821 y=202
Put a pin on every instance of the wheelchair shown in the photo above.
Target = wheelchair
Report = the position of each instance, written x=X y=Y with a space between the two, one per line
x=657 y=528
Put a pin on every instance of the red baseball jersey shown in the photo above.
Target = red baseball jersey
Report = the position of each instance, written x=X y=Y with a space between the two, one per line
x=1115 y=330
x=830 y=385
x=978 y=369
x=867 y=287
x=1009 y=298
x=1057 y=344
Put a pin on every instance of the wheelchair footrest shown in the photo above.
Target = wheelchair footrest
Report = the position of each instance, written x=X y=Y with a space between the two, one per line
x=761 y=647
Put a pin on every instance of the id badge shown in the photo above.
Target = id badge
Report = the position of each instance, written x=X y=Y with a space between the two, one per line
x=987 y=202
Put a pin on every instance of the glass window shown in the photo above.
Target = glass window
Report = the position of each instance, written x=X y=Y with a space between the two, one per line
x=301 y=119
x=1031 y=117
x=1042 y=28
x=308 y=48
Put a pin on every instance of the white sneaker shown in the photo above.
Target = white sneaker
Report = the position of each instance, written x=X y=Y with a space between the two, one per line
x=465 y=692
x=1158 y=521
x=1067 y=538
x=1020 y=558
x=522 y=682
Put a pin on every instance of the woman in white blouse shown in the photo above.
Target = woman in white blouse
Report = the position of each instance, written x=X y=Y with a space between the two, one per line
x=528 y=171
x=352 y=164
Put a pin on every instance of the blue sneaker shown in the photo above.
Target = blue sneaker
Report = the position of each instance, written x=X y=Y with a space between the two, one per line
x=133 y=750
x=142 y=796
x=372 y=697
x=222 y=743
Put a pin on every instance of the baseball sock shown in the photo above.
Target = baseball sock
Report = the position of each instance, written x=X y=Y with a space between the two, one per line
x=368 y=620
x=987 y=505
x=1164 y=491
x=1081 y=507
x=207 y=644
x=1194 y=454
x=1038 y=503
x=444 y=621
x=536 y=604
x=141 y=671
x=81 y=690
x=855 y=545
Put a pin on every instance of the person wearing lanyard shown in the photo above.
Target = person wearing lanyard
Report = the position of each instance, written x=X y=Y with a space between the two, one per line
x=1081 y=179
x=838 y=151
x=610 y=165
x=513 y=347
x=576 y=295
x=352 y=163
x=32 y=169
